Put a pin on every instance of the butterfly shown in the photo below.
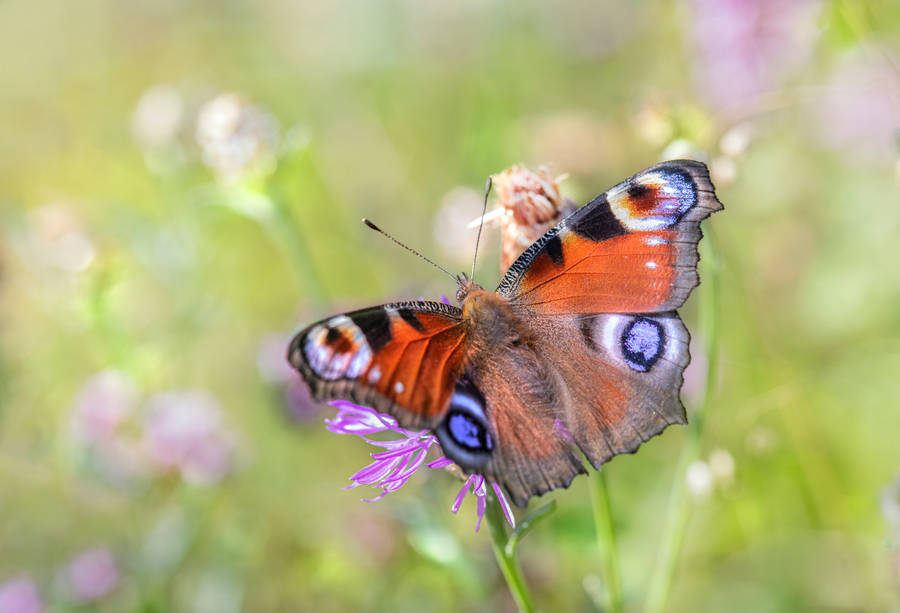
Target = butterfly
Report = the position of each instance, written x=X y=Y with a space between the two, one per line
x=580 y=345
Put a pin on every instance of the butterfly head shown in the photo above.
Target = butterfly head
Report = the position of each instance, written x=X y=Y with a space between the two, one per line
x=464 y=287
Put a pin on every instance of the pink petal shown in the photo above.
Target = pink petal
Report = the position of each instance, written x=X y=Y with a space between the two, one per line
x=504 y=504
x=441 y=462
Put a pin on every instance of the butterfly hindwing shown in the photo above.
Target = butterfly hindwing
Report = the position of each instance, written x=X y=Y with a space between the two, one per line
x=608 y=384
x=401 y=359
x=624 y=380
x=633 y=249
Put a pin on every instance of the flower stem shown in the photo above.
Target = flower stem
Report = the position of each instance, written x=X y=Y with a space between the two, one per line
x=606 y=541
x=679 y=503
x=509 y=565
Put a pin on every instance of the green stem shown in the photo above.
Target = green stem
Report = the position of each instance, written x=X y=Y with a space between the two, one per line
x=679 y=503
x=287 y=228
x=509 y=565
x=606 y=541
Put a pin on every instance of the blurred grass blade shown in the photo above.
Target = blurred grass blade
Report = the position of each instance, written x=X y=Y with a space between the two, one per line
x=606 y=540
x=526 y=524
x=509 y=565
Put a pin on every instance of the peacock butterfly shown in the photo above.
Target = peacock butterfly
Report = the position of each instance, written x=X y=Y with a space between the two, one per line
x=579 y=346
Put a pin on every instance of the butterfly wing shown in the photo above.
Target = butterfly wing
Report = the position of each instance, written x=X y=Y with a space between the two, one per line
x=633 y=249
x=401 y=359
x=601 y=384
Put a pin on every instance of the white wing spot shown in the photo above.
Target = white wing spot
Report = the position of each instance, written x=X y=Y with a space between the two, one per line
x=374 y=374
x=398 y=387
x=651 y=264
x=331 y=365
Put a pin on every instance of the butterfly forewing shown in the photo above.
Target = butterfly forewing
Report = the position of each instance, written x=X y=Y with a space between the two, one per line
x=633 y=249
x=402 y=359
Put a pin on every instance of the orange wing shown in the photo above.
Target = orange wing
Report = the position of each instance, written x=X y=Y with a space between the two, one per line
x=402 y=359
x=632 y=249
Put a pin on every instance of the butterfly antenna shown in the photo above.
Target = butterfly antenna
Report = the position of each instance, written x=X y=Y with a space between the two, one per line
x=487 y=192
x=410 y=249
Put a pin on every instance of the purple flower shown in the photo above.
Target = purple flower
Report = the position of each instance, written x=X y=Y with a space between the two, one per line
x=746 y=47
x=402 y=457
x=184 y=432
x=92 y=574
x=19 y=595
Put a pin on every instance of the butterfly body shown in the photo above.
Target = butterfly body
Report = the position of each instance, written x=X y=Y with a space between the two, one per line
x=578 y=349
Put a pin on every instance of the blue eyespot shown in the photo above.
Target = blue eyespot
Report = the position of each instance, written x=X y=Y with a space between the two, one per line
x=467 y=432
x=464 y=433
x=642 y=343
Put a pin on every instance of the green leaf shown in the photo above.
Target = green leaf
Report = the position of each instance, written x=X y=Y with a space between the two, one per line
x=526 y=524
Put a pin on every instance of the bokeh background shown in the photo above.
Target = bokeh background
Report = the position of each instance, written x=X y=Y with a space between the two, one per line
x=181 y=185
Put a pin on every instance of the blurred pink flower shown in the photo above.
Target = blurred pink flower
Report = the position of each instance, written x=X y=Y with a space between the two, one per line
x=745 y=48
x=271 y=360
x=695 y=374
x=859 y=113
x=92 y=574
x=298 y=404
x=403 y=456
x=103 y=403
x=273 y=367
x=101 y=415
x=184 y=432
x=20 y=595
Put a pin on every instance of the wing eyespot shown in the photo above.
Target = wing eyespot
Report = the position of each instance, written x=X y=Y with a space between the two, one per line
x=464 y=433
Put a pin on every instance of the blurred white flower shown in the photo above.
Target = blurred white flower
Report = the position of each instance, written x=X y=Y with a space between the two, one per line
x=20 y=595
x=654 y=124
x=166 y=542
x=721 y=465
x=57 y=239
x=890 y=505
x=217 y=591
x=183 y=431
x=859 y=113
x=761 y=440
x=91 y=575
x=451 y=228
x=735 y=141
x=236 y=137
x=158 y=117
x=722 y=170
x=699 y=479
